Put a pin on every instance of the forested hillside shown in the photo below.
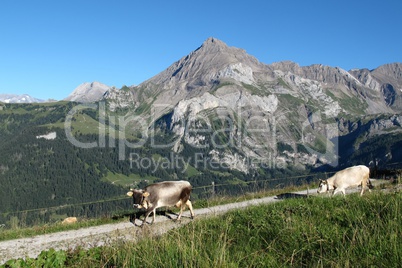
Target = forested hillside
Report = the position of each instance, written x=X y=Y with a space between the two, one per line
x=45 y=176
x=217 y=117
x=52 y=173
x=42 y=173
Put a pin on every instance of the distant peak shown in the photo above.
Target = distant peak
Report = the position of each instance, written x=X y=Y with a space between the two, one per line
x=213 y=42
x=88 y=92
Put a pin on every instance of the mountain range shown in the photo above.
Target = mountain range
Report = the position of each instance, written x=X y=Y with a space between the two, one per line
x=14 y=98
x=86 y=92
x=277 y=112
x=385 y=80
x=216 y=115
x=286 y=104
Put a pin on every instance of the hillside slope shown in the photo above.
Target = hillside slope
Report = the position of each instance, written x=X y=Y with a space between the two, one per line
x=110 y=233
x=217 y=115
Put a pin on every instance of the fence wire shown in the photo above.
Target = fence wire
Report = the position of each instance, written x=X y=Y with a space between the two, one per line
x=209 y=190
x=213 y=185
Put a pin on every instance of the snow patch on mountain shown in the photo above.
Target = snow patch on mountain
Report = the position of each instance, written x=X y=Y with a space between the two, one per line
x=14 y=98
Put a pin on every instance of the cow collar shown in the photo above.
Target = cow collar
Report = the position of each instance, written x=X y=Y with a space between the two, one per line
x=143 y=201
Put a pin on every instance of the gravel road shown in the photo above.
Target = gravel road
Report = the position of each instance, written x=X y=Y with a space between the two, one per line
x=110 y=233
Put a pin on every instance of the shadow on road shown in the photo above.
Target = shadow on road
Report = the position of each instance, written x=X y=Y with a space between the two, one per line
x=290 y=195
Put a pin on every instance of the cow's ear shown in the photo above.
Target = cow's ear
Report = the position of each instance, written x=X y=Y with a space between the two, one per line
x=145 y=194
x=130 y=193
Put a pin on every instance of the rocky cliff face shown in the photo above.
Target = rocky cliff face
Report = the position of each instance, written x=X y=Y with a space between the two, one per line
x=386 y=80
x=221 y=99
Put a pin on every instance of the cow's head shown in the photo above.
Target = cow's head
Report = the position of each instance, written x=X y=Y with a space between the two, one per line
x=323 y=187
x=139 y=198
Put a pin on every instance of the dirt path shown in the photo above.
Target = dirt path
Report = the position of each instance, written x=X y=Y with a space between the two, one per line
x=110 y=233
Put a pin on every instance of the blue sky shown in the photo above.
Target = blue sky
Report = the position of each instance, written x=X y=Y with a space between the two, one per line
x=49 y=47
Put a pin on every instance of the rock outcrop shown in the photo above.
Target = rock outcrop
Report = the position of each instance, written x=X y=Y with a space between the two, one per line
x=259 y=109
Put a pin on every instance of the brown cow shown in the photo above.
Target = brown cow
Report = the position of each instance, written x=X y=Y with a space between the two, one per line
x=163 y=194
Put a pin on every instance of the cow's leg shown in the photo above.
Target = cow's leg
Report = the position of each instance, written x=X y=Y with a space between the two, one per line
x=181 y=212
x=180 y=205
x=183 y=206
x=190 y=207
x=147 y=214
x=146 y=217
x=337 y=190
x=362 y=191
x=154 y=215
x=334 y=191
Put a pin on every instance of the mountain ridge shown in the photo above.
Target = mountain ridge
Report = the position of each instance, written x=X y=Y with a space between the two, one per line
x=23 y=98
x=206 y=65
x=214 y=50
x=216 y=115
x=228 y=82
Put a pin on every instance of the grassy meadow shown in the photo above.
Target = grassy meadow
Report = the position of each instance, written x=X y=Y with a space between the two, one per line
x=314 y=232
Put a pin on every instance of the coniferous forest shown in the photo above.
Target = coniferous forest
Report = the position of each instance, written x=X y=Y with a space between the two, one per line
x=44 y=179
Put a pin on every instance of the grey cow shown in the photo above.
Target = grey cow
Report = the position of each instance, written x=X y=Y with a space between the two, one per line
x=163 y=194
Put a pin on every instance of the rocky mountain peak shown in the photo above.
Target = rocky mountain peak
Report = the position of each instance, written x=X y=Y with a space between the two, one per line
x=88 y=92
x=217 y=81
x=205 y=65
x=213 y=44
x=215 y=64
x=391 y=71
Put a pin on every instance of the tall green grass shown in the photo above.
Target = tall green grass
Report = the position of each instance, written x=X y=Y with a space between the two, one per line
x=314 y=232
